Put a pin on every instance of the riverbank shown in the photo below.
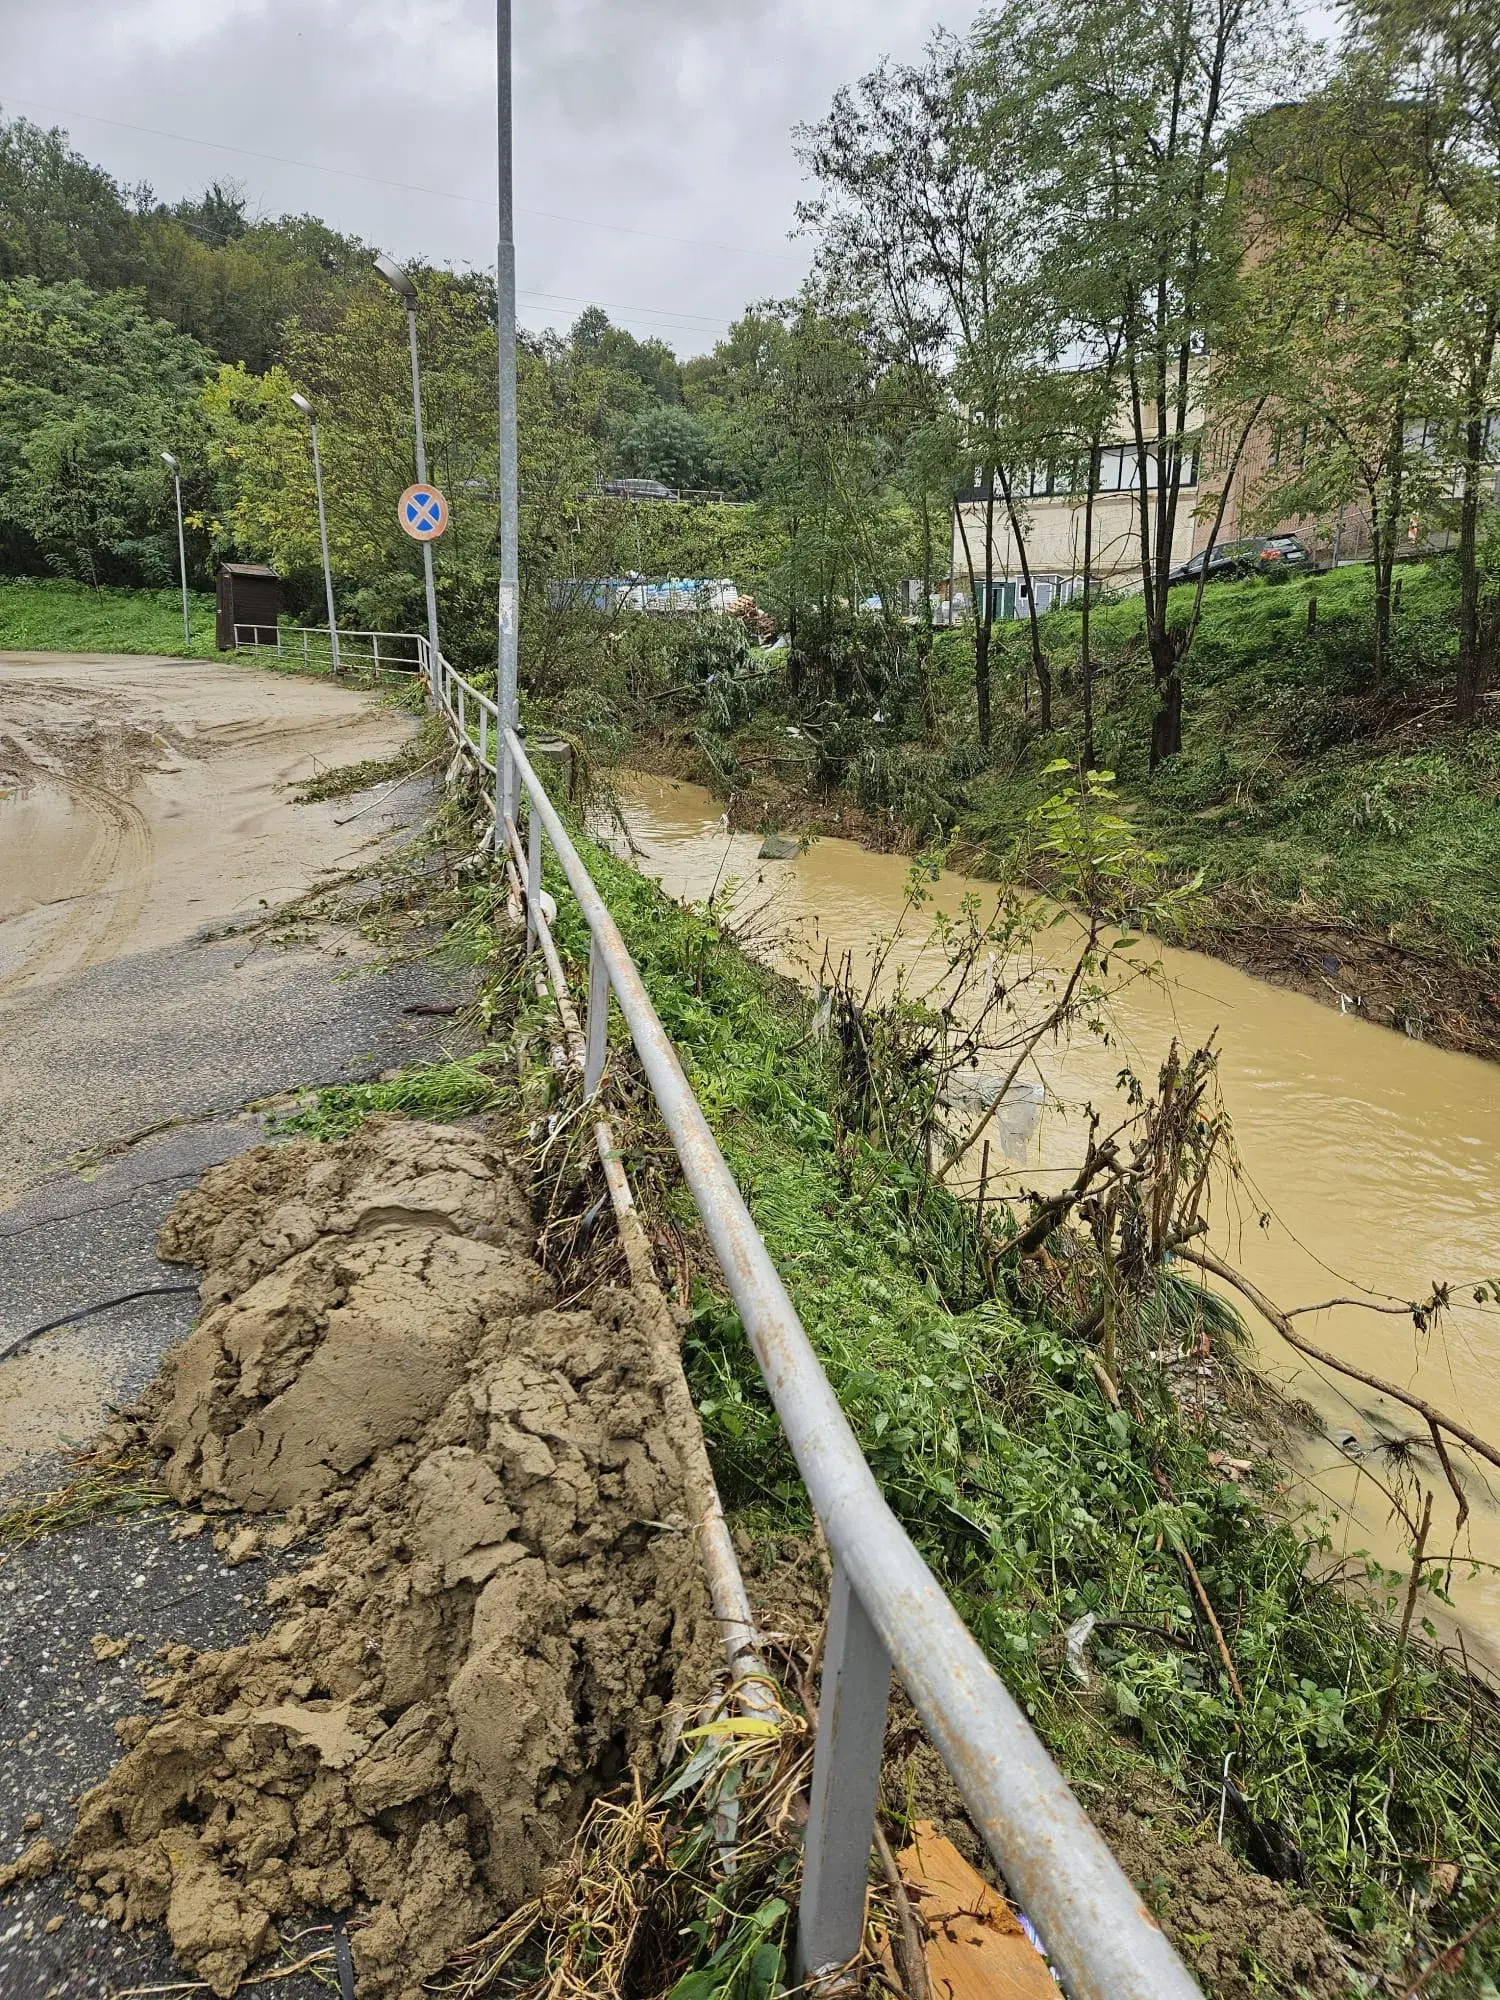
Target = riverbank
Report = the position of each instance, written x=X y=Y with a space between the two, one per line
x=1348 y=839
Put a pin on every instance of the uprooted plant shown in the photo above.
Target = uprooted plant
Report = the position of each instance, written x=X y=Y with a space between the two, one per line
x=946 y=1023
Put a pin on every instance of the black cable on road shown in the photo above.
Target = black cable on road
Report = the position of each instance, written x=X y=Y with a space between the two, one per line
x=87 y=1312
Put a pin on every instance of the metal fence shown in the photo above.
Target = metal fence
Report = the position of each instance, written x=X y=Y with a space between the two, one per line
x=887 y=1611
x=359 y=652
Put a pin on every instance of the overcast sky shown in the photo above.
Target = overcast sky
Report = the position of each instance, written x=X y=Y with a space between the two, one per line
x=654 y=168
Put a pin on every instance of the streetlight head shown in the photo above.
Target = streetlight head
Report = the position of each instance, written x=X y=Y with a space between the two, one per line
x=303 y=405
x=167 y=459
x=396 y=278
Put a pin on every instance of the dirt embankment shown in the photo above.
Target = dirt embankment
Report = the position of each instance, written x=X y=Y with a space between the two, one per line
x=1431 y=996
x=503 y=1609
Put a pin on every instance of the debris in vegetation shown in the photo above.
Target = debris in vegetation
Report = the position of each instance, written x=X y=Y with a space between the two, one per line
x=976 y=1945
x=505 y=1610
x=776 y=847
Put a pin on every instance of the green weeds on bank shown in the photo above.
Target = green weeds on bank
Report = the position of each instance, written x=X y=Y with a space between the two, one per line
x=438 y=1090
x=1036 y=1503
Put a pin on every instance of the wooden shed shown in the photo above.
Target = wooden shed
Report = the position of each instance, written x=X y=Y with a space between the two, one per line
x=248 y=606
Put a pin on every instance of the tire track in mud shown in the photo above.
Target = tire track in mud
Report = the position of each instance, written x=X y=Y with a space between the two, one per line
x=93 y=920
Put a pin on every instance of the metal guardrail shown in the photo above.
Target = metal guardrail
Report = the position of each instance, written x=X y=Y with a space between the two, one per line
x=361 y=652
x=887 y=1611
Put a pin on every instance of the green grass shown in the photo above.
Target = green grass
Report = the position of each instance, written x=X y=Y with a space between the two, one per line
x=436 y=1090
x=53 y=616
x=1297 y=781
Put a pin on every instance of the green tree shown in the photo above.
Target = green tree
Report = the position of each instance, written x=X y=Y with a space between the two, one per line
x=61 y=217
x=918 y=220
x=1439 y=61
x=1129 y=111
x=650 y=364
x=92 y=390
x=1347 y=222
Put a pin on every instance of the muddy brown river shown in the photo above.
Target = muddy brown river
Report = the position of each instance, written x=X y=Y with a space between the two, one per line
x=1374 y=1159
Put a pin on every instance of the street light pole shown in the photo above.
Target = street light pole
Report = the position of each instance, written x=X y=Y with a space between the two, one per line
x=505 y=310
x=405 y=290
x=333 y=628
x=187 y=630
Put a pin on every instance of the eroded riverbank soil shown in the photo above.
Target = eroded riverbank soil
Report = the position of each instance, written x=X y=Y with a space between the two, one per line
x=499 y=1610
x=1420 y=993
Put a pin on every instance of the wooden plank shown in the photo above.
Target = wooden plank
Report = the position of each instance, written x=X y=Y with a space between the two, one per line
x=976 y=1950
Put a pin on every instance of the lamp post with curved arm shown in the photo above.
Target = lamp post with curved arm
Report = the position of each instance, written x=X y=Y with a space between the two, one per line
x=306 y=408
x=171 y=463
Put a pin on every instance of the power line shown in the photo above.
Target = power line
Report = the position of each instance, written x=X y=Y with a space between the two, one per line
x=651 y=312
x=406 y=187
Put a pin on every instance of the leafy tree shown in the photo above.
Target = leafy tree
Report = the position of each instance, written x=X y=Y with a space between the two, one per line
x=1130 y=110
x=664 y=441
x=1438 y=61
x=217 y=217
x=919 y=221
x=92 y=390
x=649 y=363
x=61 y=217
x=1348 y=225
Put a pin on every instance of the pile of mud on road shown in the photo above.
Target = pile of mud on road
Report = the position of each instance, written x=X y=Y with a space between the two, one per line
x=500 y=1611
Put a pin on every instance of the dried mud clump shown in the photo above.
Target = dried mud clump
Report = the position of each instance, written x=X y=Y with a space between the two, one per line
x=503 y=1609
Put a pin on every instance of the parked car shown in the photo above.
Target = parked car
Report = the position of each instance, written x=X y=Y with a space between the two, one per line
x=1255 y=555
x=636 y=489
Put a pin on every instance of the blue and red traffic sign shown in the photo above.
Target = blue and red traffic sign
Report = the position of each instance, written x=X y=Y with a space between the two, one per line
x=422 y=513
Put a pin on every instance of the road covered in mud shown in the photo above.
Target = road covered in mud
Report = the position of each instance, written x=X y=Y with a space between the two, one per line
x=143 y=800
x=148 y=826
x=150 y=999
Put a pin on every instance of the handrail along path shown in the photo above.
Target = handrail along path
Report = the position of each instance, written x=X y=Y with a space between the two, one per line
x=887 y=1610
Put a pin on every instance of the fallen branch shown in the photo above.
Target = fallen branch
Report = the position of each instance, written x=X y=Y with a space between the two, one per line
x=1270 y=1311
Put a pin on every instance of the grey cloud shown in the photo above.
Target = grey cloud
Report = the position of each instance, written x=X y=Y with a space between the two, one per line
x=663 y=116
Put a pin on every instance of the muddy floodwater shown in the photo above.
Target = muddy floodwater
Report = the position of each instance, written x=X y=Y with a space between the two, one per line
x=1371 y=1162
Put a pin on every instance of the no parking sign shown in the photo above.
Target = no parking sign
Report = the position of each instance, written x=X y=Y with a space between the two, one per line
x=422 y=512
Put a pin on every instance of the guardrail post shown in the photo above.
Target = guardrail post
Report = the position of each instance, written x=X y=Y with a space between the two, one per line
x=305 y=662
x=845 y=1784
x=534 y=887
x=596 y=1028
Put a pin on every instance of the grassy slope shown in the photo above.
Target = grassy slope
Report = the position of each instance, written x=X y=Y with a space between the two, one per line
x=1030 y=1497
x=1296 y=786
x=53 y=616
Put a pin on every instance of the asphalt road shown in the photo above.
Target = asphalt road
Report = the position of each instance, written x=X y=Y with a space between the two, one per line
x=178 y=1026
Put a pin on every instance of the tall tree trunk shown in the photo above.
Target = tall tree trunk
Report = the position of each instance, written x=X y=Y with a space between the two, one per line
x=1085 y=655
x=1470 y=652
x=983 y=612
x=1385 y=527
x=1038 y=657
